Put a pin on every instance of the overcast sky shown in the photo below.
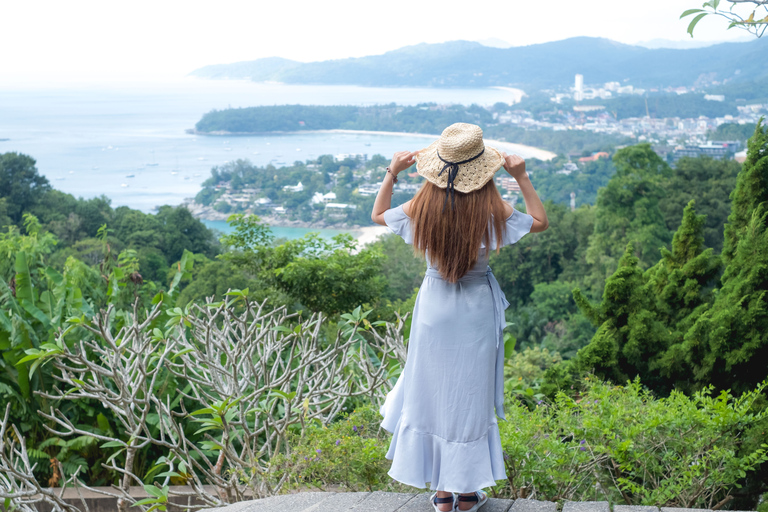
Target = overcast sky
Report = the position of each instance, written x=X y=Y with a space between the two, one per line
x=109 y=40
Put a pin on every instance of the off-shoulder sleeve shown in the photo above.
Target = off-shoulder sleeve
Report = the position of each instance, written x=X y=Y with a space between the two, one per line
x=399 y=223
x=517 y=225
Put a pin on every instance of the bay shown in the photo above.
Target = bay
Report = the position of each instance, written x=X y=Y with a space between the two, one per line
x=280 y=232
x=128 y=141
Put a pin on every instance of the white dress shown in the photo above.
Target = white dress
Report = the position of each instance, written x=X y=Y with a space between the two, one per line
x=441 y=410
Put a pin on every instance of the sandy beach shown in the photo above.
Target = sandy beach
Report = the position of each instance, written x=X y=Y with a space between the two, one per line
x=509 y=147
x=369 y=234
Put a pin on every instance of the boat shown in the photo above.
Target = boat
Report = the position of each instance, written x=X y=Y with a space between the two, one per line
x=174 y=172
x=130 y=176
x=123 y=184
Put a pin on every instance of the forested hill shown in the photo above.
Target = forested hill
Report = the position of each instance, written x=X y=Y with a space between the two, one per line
x=470 y=64
x=425 y=118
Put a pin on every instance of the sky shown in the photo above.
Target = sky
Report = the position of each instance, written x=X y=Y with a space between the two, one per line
x=83 y=40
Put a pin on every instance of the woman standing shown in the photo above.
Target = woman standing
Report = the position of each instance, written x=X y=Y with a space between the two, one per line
x=441 y=410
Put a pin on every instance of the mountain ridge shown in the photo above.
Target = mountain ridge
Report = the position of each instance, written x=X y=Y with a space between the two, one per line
x=471 y=64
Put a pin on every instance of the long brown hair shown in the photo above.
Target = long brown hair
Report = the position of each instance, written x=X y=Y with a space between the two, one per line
x=453 y=236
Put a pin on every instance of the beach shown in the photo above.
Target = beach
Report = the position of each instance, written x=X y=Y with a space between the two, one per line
x=369 y=234
x=519 y=149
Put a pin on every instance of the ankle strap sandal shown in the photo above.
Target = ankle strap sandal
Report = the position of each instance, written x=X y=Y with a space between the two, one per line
x=448 y=499
x=479 y=497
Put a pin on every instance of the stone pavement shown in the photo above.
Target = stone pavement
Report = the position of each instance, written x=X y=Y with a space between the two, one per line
x=380 y=501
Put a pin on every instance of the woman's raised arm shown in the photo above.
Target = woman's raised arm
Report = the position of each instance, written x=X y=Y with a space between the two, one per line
x=400 y=162
x=515 y=166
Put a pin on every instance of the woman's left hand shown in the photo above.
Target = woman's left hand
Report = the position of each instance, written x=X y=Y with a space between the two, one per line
x=402 y=160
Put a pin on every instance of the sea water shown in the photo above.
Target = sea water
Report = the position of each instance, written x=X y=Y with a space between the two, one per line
x=128 y=141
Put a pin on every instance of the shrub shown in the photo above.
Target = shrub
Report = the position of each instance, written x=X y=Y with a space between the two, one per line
x=620 y=444
x=349 y=453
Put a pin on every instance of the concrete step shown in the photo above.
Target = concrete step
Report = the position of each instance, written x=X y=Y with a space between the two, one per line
x=380 y=501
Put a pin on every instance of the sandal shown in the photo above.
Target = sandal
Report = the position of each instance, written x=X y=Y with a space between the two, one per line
x=434 y=500
x=480 y=497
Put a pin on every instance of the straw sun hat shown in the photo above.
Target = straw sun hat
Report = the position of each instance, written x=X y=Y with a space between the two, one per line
x=459 y=160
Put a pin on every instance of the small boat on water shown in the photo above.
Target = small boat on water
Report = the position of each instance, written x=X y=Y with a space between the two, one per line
x=174 y=172
x=123 y=185
x=130 y=176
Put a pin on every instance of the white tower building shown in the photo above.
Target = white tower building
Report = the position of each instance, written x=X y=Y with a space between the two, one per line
x=578 y=87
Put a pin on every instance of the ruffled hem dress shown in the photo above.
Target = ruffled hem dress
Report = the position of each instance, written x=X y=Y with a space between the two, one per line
x=441 y=410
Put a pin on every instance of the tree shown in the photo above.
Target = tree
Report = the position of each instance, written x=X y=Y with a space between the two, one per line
x=710 y=182
x=331 y=276
x=628 y=210
x=20 y=184
x=544 y=257
x=182 y=231
x=680 y=287
x=404 y=270
x=728 y=344
x=628 y=334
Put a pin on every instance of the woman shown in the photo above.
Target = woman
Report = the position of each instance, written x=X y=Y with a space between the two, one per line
x=441 y=410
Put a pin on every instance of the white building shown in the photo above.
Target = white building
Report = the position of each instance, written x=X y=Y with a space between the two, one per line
x=323 y=198
x=369 y=189
x=340 y=206
x=294 y=188
x=578 y=88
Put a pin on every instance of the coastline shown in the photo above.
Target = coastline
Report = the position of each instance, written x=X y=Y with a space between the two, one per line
x=521 y=149
x=363 y=234
x=533 y=152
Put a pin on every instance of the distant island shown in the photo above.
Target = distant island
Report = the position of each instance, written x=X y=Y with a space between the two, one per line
x=470 y=64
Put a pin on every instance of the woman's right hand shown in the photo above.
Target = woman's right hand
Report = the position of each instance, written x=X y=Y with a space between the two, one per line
x=515 y=166
x=402 y=160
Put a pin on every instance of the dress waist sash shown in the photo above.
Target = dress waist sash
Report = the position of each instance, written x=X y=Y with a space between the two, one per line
x=500 y=303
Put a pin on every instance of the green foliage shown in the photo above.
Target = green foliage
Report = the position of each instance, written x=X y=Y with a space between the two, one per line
x=615 y=443
x=622 y=445
x=708 y=181
x=20 y=184
x=324 y=275
x=753 y=23
x=628 y=209
x=558 y=251
x=348 y=453
x=422 y=118
x=733 y=131
x=403 y=269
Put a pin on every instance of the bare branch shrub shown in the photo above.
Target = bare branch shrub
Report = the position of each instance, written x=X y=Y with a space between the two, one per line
x=218 y=390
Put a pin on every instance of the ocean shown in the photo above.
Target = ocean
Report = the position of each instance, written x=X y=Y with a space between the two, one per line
x=128 y=141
